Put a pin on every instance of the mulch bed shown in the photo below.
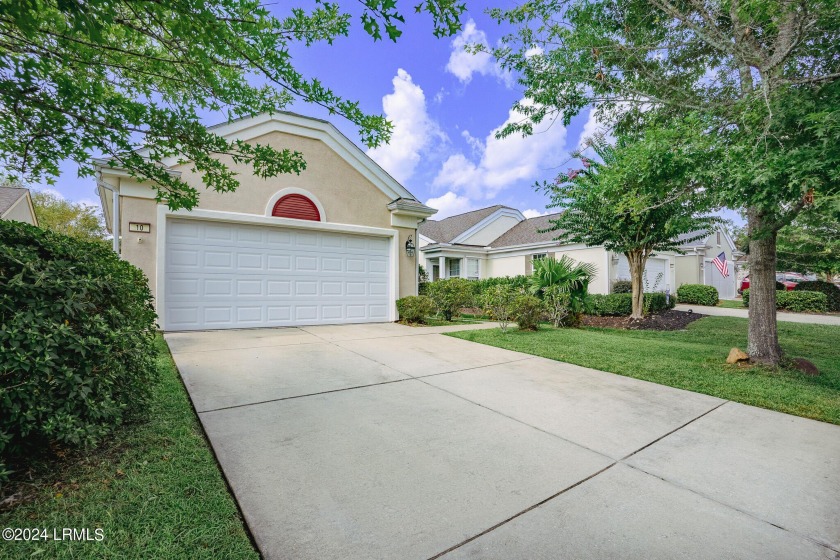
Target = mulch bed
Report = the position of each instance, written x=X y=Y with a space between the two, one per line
x=670 y=320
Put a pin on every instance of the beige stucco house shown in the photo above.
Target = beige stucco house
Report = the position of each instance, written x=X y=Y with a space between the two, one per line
x=16 y=204
x=499 y=241
x=331 y=245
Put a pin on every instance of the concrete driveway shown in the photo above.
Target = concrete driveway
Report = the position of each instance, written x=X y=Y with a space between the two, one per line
x=384 y=441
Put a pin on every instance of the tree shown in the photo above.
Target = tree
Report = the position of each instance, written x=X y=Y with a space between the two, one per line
x=811 y=244
x=77 y=76
x=760 y=77
x=638 y=200
x=69 y=218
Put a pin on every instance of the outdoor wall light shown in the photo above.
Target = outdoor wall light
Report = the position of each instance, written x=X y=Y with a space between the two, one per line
x=409 y=247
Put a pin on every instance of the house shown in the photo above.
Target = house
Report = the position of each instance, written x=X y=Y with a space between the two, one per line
x=16 y=204
x=332 y=245
x=500 y=241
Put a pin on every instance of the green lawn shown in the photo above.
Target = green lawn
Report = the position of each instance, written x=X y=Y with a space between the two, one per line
x=695 y=360
x=731 y=303
x=155 y=490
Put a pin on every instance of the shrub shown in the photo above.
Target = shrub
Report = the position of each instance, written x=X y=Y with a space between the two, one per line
x=498 y=303
x=612 y=304
x=622 y=287
x=698 y=294
x=77 y=331
x=450 y=295
x=515 y=282
x=556 y=303
x=816 y=302
x=415 y=309
x=658 y=301
x=527 y=312
x=799 y=301
x=831 y=292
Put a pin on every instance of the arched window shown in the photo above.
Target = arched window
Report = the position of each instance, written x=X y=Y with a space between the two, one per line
x=296 y=206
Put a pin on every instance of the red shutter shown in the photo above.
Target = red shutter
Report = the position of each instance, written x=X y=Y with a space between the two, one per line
x=296 y=206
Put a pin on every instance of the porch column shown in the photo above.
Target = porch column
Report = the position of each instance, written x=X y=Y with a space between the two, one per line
x=442 y=266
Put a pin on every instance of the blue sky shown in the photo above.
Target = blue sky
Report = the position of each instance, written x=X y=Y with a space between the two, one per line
x=445 y=105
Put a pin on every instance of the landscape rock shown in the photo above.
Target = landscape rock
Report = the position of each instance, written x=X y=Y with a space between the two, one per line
x=736 y=355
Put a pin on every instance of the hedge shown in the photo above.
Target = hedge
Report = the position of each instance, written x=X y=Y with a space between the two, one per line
x=415 y=309
x=622 y=287
x=698 y=294
x=618 y=305
x=799 y=301
x=515 y=282
x=831 y=292
x=77 y=330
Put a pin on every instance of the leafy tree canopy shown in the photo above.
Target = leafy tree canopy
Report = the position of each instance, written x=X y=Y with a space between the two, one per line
x=78 y=76
x=812 y=242
x=69 y=218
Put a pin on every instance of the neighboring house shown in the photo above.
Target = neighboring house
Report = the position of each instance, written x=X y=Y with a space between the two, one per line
x=500 y=241
x=327 y=246
x=16 y=204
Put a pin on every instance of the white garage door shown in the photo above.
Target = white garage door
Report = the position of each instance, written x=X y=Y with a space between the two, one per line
x=725 y=286
x=220 y=276
x=656 y=273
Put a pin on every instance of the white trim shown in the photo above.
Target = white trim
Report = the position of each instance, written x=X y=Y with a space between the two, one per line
x=500 y=213
x=428 y=240
x=163 y=213
x=19 y=201
x=269 y=208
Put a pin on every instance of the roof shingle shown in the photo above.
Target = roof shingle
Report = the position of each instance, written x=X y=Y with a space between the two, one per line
x=9 y=196
x=528 y=231
x=444 y=231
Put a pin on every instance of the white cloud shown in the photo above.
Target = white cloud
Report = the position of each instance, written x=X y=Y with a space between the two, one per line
x=473 y=142
x=502 y=163
x=463 y=64
x=413 y=128
x=449 y=204
x=532 y=213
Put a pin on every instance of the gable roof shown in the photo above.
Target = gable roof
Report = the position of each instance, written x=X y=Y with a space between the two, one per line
x=447 y=229
x=9 y=197
x=248 y=128
x=528 y=231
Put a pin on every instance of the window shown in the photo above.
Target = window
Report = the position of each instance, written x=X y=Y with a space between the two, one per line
x=718 y=239
x=472 y=269
x=296 y=206
x=454 y=268
x=538 y=256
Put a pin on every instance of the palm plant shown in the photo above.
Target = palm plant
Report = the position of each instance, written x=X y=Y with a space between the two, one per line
x=570 y=277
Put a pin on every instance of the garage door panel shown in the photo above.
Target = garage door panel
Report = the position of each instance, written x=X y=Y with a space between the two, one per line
x=263 y=276
x=655 y=277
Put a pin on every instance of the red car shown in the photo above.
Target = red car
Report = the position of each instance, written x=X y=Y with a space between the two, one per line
x=789 y=280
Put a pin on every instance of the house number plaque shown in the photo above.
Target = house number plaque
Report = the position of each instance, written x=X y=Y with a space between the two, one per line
x=135 y=227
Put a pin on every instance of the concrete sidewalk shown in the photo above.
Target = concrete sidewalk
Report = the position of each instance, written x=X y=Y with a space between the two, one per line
x=809 y=318
x=385 y=441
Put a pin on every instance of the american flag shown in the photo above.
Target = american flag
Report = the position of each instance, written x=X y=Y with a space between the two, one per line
x=720 y=263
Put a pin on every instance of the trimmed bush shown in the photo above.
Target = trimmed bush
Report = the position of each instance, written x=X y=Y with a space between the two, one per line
x=798 y=301
x=77 y=331
x=497 y=302
x=622 y=287
x=415 y=309
x=527 y=312
x=658 y=301
x=698 y=294
x=831 y=292
x=612 y=304
x=515 y=282
x=450 y=295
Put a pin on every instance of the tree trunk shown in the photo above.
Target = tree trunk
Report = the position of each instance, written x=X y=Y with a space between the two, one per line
x=636 y=260
x=763 y=340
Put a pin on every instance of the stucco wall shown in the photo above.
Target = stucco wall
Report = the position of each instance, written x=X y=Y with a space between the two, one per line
x=20 y=212
x=506 y=266
x=688 y=270
x=596 y=256
x=491 y=231
x=140 y=249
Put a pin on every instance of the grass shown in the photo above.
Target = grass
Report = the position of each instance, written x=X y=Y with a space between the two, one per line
x=155 y=490
x=694 y=359
x=731 y=304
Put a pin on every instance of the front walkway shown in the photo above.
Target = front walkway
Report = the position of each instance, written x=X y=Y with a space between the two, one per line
x=385 y=441
x=810 y=318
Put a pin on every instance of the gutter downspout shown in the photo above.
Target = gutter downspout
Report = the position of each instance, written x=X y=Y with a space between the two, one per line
x=115 y=212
